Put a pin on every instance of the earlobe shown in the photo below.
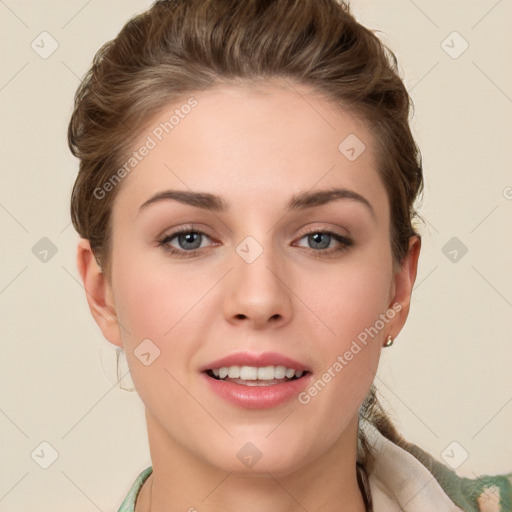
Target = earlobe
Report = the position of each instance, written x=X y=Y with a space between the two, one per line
x=403 y=283
x=98 y=293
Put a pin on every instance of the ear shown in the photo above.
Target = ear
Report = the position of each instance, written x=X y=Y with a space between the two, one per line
x=98 y=293
x=403 y=282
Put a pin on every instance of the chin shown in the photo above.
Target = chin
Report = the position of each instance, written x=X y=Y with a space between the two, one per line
x=259 y=457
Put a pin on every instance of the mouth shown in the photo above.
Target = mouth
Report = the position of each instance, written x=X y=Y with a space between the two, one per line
x=256 y=375
x=256 y=380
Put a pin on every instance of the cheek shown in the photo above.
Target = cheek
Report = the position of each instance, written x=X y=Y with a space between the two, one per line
x=349 y=298
x=153 y=302
x=155 y=310
x=351 y=306
x=352 y=302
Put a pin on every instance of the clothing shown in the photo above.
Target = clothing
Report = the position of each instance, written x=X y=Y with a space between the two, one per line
x=410 y=480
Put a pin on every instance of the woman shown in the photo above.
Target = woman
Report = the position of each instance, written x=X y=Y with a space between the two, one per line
x=245 y=203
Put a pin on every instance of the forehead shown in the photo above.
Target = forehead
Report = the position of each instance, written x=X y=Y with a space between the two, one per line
x=252 y=142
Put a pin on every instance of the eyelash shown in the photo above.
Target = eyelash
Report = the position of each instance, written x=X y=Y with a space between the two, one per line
x=345 y=242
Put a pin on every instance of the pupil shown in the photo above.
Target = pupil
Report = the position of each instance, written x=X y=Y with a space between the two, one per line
x=188 y=238
x=317 y=240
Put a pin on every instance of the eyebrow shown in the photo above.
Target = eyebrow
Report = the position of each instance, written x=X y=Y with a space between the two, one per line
x=300 y=201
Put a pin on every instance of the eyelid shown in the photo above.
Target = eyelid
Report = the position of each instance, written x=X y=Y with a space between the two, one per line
x=324 y=229
x=346 y=237
x=187 y=228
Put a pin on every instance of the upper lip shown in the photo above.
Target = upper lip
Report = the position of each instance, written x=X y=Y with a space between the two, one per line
x=255 y=359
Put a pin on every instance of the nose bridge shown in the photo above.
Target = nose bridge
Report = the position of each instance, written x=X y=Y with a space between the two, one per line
x=257 y=291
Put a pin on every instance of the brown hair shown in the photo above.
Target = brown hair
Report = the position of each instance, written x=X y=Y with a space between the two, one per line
x=178 y=47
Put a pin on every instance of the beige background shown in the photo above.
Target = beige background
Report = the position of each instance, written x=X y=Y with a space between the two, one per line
x=447 y=378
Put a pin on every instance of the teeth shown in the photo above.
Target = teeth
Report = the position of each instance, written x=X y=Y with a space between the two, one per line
x=290 y=372
x=266 y=373
x=280 y=372
x=234 y=372
x=248 y=373
x=256 y=373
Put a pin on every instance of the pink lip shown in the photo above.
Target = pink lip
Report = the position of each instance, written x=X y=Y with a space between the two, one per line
x=257 y=397
x=249 y=359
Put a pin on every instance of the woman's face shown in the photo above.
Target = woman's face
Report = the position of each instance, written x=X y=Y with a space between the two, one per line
x=310 y=287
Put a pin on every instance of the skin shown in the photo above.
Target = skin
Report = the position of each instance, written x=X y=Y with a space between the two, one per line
x=255 y=147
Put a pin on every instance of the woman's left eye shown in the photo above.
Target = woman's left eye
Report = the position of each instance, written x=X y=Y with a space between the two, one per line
x=321 y=241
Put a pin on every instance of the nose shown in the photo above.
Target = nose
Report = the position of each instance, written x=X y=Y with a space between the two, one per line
x=257 y=293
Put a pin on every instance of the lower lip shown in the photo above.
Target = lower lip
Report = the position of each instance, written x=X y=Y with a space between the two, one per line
x=257 y=397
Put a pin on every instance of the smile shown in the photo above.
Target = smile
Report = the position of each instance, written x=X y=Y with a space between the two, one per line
x=254 y=375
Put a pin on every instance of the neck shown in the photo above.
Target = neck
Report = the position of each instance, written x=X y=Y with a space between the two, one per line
x=181 y=482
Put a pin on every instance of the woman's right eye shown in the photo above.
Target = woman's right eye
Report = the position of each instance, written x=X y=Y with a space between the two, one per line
x=189 y=242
